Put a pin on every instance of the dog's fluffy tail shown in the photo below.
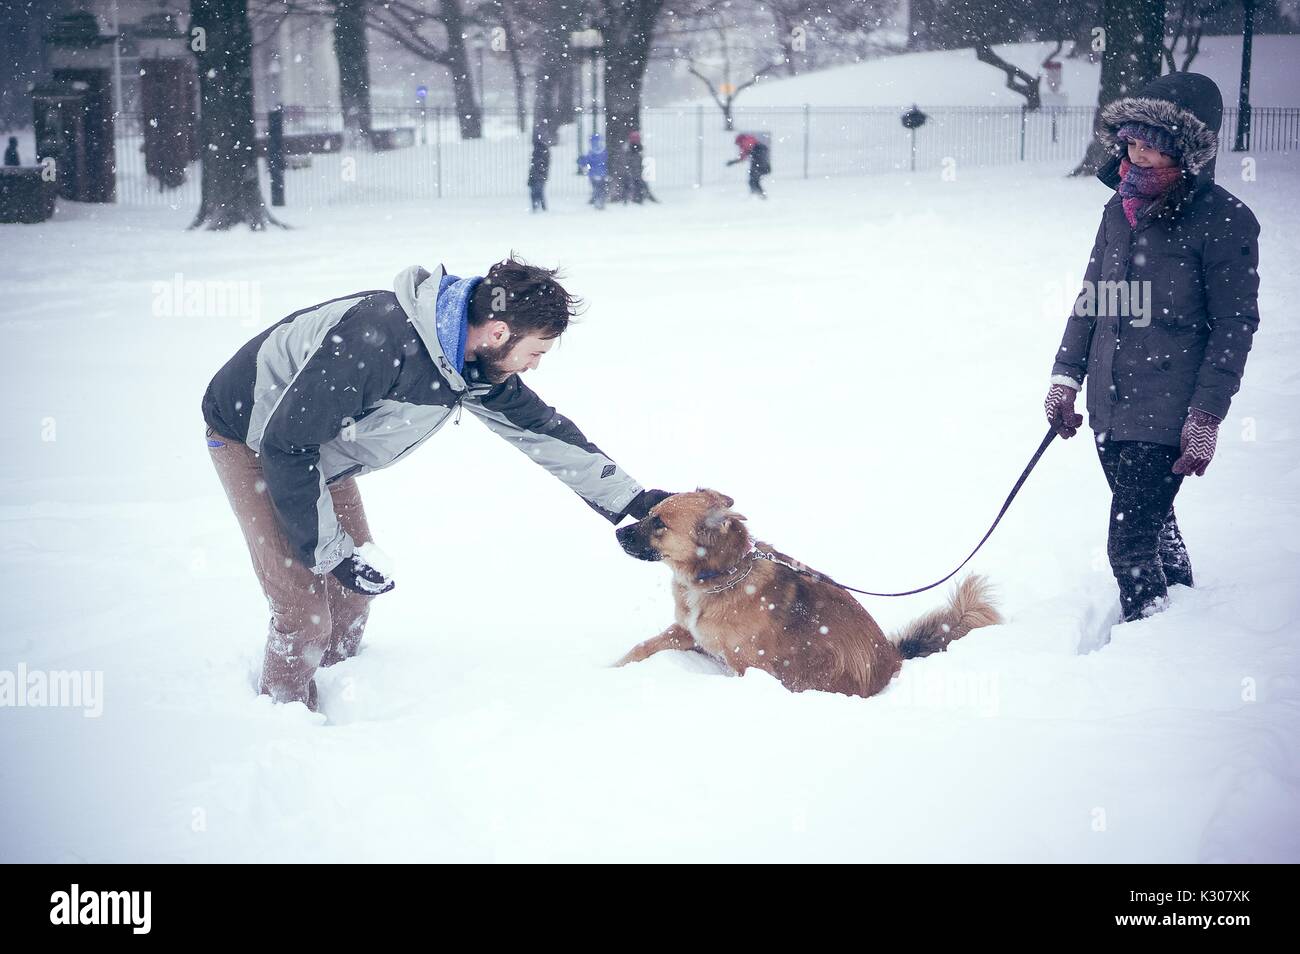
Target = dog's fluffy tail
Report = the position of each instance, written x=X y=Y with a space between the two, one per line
x=969 y=607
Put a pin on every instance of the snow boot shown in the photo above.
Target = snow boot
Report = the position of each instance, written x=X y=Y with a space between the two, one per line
x=1173 y=553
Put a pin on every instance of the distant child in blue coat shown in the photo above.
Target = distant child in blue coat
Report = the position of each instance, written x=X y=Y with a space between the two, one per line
x=596 y=166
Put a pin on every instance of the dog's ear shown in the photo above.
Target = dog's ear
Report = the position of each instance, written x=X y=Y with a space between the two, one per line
x=727 y=502
x=718 y=529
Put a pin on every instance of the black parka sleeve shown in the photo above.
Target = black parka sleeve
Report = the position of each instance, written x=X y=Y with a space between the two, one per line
x=515 y=412
x=1230 y=276
x=1072 y=356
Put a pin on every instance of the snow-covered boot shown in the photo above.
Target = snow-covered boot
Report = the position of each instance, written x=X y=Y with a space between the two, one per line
x=289 y=665
x=1142 y=590
x=1173 y=553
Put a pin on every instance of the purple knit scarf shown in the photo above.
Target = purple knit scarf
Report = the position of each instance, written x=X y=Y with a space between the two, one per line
x=1138 y=186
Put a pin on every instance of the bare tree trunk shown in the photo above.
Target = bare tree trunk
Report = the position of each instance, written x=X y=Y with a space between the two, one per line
x=516 y=64
x=1187 y=25
x=786 y=27
x=921 y=13
x=622 y=115
x=230 y=191
x=1082 y=42
x=352 y=50
x=1193 y=46
x=1018 y=81
x=469 y=113
x=629 y=30
x=1130 y=60
x=1176 y=29
x=1194 y=34
x=553 y=91
x=727 y=102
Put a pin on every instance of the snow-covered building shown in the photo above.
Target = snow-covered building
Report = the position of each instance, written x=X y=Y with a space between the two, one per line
x=293 y=53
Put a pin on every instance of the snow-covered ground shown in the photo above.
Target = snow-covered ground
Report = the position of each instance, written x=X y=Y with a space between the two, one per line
x=861 y=364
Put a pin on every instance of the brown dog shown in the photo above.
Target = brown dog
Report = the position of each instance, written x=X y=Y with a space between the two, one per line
x=747 y=605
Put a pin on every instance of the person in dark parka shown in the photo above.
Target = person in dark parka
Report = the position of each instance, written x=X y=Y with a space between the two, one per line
x=639 y=189
x=539 y=169
x=1162 y=326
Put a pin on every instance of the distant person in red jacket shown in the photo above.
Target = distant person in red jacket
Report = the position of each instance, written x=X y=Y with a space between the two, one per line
x=760 y=162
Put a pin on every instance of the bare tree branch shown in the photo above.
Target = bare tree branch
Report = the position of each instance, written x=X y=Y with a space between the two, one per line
x=1018 y=81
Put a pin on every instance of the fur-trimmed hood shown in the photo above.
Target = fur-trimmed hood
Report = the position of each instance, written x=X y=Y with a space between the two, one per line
x=1186 y=105
x=1197 y=143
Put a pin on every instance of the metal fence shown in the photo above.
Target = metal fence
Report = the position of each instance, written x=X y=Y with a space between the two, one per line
x=686 y=147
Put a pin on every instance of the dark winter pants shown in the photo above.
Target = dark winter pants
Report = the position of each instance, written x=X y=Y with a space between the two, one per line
x=537 y=196
x=639 y=191
x=599 y=191
x=756 y=179
x=315 y=620
x=1146 y=550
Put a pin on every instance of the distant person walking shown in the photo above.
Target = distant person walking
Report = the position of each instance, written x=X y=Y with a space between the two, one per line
x=760 y=162
x=595 y=164
x=539 y=168
x=639 y=190
x=11 y=153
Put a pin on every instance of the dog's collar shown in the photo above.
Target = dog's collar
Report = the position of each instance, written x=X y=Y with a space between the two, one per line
x=750 y=556
x=712 y=574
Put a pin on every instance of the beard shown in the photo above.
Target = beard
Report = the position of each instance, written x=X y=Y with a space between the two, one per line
x=492 y=362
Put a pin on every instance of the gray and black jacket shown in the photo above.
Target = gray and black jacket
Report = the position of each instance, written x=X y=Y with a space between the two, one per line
x=1198 y=250
x=356 y=383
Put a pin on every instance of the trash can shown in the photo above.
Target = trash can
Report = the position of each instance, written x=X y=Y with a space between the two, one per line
x=26 y=195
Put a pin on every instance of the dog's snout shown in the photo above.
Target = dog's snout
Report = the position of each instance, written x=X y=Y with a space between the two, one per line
x=635 y=541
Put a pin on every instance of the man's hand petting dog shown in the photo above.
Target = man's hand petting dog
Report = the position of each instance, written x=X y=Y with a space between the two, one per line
x=644 y=502
x=360 y=577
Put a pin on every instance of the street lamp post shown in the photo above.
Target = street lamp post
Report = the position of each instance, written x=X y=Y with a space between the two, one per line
x=589 y=42
x=478 y=49
x=1242 y=142
x=913 y=120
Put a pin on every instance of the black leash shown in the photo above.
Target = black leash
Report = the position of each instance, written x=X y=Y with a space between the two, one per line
x=921 y=589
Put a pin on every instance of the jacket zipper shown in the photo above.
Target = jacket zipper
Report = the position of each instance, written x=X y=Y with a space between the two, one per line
x=433 y=431
x=456 y=421
x=468 y=392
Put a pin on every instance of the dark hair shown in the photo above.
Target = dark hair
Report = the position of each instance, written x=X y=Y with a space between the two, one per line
x=526 y=297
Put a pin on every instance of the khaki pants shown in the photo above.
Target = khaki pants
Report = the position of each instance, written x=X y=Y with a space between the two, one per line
x=315 y=620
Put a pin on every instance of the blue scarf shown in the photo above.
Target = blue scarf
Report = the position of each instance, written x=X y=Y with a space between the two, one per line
x=451 y=315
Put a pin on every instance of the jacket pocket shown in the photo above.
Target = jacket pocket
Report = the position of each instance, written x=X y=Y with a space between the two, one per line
x=1174 y=290
x=1101 y=370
